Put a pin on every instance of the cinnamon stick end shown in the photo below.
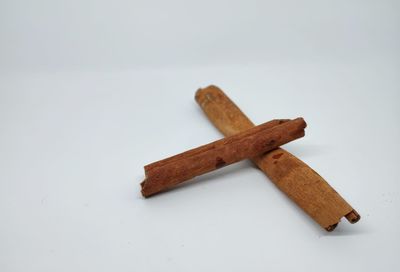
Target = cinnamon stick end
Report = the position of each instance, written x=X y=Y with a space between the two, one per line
x=353 y=217
x=331 y=227
x=207 y=94
x=143 y=189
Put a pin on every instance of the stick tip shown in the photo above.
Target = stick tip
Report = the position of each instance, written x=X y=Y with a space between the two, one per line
x=143 y=190
x=331 y=227
x=202 y=93
x=301 y=121
x=353 y=217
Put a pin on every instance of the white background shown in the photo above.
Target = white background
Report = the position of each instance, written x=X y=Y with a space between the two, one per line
x=91 y=91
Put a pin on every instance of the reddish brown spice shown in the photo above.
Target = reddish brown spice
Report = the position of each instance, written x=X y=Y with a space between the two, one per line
x=292 y=176
x=164 y=174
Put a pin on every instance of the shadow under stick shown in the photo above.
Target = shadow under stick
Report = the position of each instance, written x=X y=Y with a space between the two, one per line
x=292 y=176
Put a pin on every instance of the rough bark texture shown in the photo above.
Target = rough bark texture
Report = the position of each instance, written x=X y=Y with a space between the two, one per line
x=169 y=172
x=292 y=176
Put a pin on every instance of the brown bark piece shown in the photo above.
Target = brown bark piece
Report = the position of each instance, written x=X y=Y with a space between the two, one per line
x=292 y=176
x=169 y=172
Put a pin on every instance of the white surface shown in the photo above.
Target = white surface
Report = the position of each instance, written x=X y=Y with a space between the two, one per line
x=90 y=91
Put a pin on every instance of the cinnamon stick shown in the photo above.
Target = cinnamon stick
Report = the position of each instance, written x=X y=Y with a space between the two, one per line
x=164 y=174
x=292 y=176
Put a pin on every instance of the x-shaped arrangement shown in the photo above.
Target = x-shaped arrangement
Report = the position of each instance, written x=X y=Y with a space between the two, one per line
x=261 y=144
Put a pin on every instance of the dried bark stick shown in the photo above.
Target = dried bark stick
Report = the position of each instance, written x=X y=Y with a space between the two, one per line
x=169 y=172
x=292 y=176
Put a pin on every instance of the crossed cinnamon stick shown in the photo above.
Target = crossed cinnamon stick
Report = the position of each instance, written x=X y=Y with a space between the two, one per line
x=260 y=143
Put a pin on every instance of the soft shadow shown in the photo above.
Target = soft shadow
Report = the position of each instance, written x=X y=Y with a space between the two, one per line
x=306 y=150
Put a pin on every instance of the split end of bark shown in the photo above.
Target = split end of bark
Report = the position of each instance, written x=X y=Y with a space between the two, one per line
x=331 y=227
x=352 y=217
